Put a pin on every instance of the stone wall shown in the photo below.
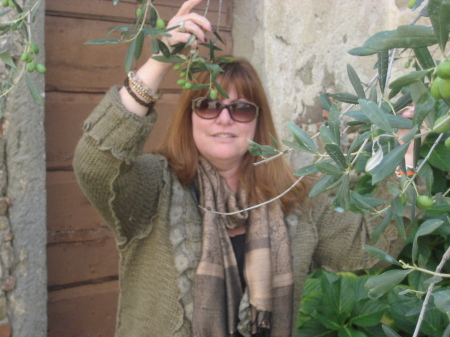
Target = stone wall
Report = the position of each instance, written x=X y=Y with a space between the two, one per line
x=300 y=48
x=23 y=272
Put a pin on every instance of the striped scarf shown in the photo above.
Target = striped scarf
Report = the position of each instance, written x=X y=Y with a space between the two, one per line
x=268 y=264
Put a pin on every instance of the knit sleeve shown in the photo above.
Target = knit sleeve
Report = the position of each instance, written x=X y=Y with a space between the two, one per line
x=121 y=183
x=342 y=235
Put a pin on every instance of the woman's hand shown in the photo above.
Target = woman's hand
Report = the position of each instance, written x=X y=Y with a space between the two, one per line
x=188 y=23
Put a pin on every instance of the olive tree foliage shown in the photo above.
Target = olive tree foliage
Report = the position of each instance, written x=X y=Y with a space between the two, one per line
x=408 y=298
x=16 y=20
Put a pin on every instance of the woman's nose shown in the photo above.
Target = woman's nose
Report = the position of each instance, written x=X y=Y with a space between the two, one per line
x=224 y=116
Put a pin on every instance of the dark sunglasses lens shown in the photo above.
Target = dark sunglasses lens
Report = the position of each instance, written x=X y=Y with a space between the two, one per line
x=243 y=111
x=207 y=108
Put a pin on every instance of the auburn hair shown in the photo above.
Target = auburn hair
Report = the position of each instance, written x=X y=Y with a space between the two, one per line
x=262 y=182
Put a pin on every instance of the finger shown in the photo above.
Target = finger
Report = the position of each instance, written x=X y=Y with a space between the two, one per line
x=195 y=29
x=199 y=20
x=187 y=6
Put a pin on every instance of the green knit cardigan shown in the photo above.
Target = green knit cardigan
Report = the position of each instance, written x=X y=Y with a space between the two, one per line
x=157 y=225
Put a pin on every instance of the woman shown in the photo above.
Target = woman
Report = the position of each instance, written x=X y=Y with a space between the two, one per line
x=187 y=271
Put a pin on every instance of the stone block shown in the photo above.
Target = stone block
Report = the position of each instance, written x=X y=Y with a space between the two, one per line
x=4 y=223
x=3 y=309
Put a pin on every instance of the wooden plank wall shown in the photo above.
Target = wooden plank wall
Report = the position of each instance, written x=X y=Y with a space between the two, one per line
x=82 y=257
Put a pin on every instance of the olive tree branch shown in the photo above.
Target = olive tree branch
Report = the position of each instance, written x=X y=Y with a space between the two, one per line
x=208 y=209
x=409 y=182
x=446 y=192
x=429 y=292
x=426 y=271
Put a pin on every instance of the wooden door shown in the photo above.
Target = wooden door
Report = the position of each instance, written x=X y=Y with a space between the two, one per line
x=82 y=257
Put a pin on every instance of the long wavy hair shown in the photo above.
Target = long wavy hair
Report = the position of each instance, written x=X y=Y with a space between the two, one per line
x=262 y=182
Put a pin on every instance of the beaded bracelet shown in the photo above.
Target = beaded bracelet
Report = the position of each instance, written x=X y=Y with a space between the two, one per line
x=149 y=105
x=144 y=95
x=141 y=89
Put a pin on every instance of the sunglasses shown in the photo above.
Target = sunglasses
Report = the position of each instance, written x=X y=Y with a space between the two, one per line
x=240 y=111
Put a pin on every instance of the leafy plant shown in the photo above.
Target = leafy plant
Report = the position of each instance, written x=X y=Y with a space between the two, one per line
x=338 y=305
x=373 y=110
x=150 y=25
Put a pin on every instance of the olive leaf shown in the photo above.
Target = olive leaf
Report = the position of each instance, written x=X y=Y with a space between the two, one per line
x=381 y=226
x=163 y=48
x=389 y=163
x=324 y=184
x=221 y=90
x=403 y=101
x=376 y=115
x=364 y=203
x=302 y=138
x=406 y=36
x=375 y=160
x=361 y=138
x=442 y=301
x=261 y=150
x=362 y=51
x=383 y=65
x=335 y=152
x=378 y=285
x=355 y=81
x=439 y=12
x=326 y=135
x=325 y=101
x=341 y=202
x=381 y=254
x=424 y=105
x=304 y=171
x=333 y=123
x=172 y=59
x=37 y=98
x=405 y=80
x=328 y=168
x=103 y=41
x=373 y=96
x=153 y=16
x=7 y=59
x=130 y=56
x=139 y=44
x=345 y=97
x=424 y=58
x=426 y=228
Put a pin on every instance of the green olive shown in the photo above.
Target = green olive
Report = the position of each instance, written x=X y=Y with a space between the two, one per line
x=213 y=94
x=41 y=69
x=424 y=201
x=443 y=70
x=444 y=127
x=434 y=89
x=447 y=142
x=34 y=48
x=160 y=24
x=31 y=66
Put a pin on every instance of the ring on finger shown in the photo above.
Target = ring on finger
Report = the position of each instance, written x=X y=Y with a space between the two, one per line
x=181 y=26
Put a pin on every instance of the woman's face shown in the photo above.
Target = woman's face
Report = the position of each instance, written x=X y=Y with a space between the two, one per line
x=223 y=141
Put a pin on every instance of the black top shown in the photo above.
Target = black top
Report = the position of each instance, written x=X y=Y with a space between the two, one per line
x=238 y=243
